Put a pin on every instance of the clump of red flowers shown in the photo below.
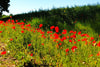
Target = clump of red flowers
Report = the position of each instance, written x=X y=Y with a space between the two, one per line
x=22 y=31
x=4 y=52
x=29 y=44
x=57 y=29
x=40 y=25
x=31 y=54
x=67 y=51
x=11 y=39
x=52 y=27
x=74 y=48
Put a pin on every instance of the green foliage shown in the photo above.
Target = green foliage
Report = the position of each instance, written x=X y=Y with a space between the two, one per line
x=4 y=4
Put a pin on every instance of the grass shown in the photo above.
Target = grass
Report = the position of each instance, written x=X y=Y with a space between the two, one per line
x=30 y=44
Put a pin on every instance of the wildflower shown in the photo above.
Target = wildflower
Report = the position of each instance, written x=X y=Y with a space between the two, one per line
x=74 y=32
x=64 y=32
x=61 y=40
x=91 y=38
x=57 y=46
x=56 y=36
x=40 y=25
x=98 y=54
x=4 y=52
x=52 y=27
x=56 y=29
x=94 y=41
x=22 y=31
x=71 y=31
x=67 y=36
x=31 y=54
x=78 y=39
x=29 y=44
x=64 y=38
x=73 y=36
x=42 y=44
x=79 y=32
x=16 y=20
x=42 y=32
x=0 y=31
x=98 y=44
x=12 y=21
x=60 y=44
x=67 y=50
x=73 y=48
x=70 y=40
x=54 y=40
x=11 y=39
x=83 y=35
x=74 y=42
x=13 y=27
x=24 y=19
x=91 y=55
x=44 y=37
x=10 y=16
x=28 y=25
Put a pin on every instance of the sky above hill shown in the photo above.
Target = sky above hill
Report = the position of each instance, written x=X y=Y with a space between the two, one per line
x=24 y=6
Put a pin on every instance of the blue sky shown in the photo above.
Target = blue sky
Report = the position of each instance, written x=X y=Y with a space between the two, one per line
x=24 y=6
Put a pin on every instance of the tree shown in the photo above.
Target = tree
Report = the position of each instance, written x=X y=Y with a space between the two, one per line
x=4 y=4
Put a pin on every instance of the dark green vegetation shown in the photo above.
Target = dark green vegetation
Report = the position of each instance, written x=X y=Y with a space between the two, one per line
x=65 y=17
x=4 y=4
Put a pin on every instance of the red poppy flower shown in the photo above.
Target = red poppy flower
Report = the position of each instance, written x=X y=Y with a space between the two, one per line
x=31 y=54
x=94 y=41
x=71 y=31
x=52 y=27
x=64 y=38
x=40 y=25
x=64 y=32
x=28 y=25
x=0 y=31
x=74 y=42
x=67 y=50
x=60 y=44
x=98 y=54
x=13 y=27
x=29 y=44
x=98 y=44
x=78 y=39
x=79 y=32
x=4 y=52
x=70 y=40
x=10 y=16
x=74 y=32
x=16 y=20
x=73 y=48
x=73 y=36
x=12 y=21
x=91 y=55
x=56 y=36
x=61 y=40
x=22 y=31
x=57 y=29
x=91 y=38
x=11 y=39
x=42 y=44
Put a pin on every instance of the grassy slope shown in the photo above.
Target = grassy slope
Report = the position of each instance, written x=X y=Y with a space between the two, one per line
x=58 y=17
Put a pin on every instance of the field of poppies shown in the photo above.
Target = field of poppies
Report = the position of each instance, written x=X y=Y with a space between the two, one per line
x=34 y=45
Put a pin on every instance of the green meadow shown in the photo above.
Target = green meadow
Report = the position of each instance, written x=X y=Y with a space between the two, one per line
x=61 y=37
